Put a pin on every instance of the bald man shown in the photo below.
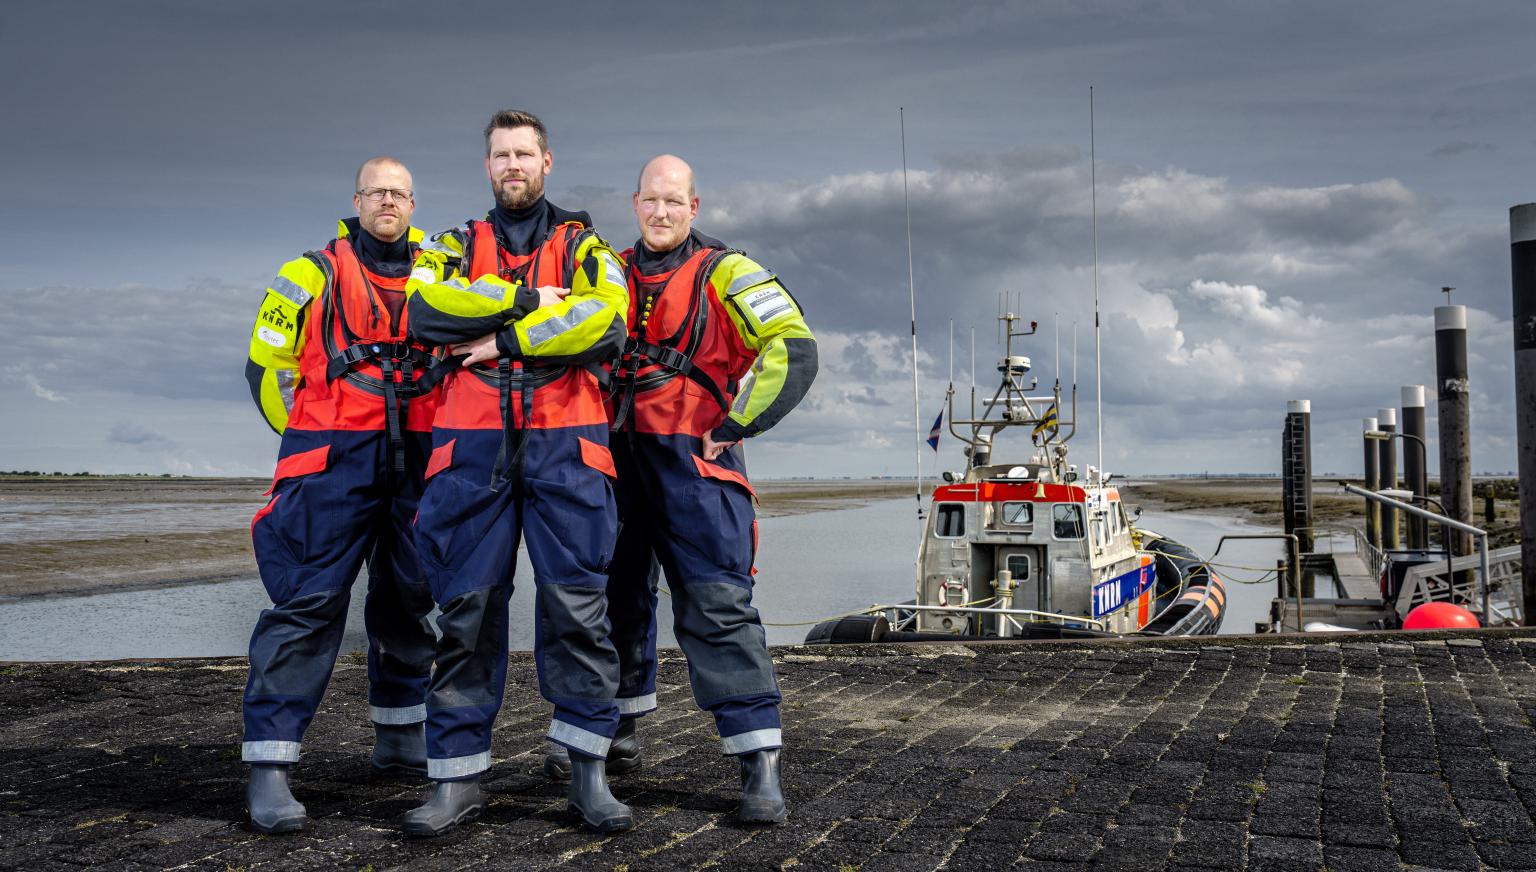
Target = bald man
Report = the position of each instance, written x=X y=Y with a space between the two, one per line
x=717 y=352
x=332 y=372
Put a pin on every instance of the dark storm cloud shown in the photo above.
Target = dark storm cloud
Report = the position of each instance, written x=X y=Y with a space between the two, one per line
x=1452 y=149
x=1273 y=218
x=132 y=433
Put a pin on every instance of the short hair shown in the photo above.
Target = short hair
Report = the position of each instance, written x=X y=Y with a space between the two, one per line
x=357 y=181
x=510 y=119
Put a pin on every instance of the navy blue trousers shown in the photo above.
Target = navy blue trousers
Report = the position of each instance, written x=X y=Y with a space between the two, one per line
x=694 y=520
x=336 y=503
x=562 y=505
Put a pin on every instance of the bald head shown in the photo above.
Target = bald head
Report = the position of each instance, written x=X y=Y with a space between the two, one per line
x=670 y=166
x=665 y=202
x=383 y=198
x=379 y=162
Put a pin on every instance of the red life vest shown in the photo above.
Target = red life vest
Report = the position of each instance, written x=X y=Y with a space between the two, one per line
x=551 y=396
x=357 y=371
x=683 y=355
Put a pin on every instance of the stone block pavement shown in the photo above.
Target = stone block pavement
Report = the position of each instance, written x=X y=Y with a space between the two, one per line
x=1352 y=754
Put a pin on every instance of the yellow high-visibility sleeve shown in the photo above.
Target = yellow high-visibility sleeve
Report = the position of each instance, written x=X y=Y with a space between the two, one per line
x=446 y=307
x=769 y=322
x=277 y=339
x=588 y=325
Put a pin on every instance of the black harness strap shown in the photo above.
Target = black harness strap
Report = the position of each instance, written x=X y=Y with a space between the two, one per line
x=681 y=363
x=514 y=439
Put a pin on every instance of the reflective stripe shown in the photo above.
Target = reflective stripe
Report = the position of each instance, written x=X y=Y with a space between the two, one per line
x=290 y=290
x=486 y=289
x=269 y=752
x=757 y=740
x=637 y=705
x=409 y=715
x=544 y=331
x=615 y=274
x=585 y=741
x=744 y=393
x=458 y=767
x=747 y=281
x=287 y=379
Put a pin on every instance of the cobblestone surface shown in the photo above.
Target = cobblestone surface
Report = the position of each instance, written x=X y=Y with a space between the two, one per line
x=1367 y=753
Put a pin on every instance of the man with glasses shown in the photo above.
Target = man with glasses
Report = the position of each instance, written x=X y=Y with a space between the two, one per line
x=332 y=372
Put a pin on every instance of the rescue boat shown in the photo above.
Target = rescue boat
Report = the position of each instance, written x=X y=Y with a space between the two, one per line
x=1032 y=550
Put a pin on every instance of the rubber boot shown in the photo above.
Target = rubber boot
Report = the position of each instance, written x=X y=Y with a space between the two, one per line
x=271 y=804
x=452 y=803
x=623 y=754
x=400 y=749
x=762 y=801
x=590 y=798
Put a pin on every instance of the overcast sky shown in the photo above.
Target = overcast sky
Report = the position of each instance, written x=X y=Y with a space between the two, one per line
x=1282 y=189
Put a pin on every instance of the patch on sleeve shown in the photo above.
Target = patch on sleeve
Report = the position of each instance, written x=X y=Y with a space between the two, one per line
x=271 y=337
x=424 y=274
x=767 y=303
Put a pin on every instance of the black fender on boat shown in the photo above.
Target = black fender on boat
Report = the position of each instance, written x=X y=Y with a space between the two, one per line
x=849 y=630
x=1196 y=599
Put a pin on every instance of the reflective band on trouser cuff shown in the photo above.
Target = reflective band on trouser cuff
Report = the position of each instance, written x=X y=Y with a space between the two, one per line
x=757 y=740
x=747 y=281
x=409 y=715
x=636 y=705
x=458 y=767
x=544 y=331
x=575 y=737
x=269 y=752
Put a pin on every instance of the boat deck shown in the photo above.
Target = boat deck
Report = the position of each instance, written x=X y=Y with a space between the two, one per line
x=1377 y=751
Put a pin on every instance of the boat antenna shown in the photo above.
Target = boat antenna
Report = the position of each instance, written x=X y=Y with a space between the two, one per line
x=917 y=415
x=1098 y=360
x=1056 y=333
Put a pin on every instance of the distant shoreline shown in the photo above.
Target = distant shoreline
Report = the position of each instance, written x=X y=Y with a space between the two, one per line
x=111 y=543
x=70 y=536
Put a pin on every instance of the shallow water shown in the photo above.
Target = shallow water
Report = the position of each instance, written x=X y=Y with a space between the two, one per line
x=811 y=566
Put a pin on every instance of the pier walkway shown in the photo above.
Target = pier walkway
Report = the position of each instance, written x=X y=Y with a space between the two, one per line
x=1382 y=752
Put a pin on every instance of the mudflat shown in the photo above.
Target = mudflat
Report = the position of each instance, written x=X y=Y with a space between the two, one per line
x=78 y=535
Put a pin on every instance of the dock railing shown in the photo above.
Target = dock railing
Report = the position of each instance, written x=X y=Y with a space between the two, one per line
x=1482 y=535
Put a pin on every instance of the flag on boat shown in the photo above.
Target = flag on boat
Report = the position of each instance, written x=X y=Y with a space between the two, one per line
x=1047 y=422
x=933 y=435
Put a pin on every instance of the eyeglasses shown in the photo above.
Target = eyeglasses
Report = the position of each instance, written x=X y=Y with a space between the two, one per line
x=376 y=195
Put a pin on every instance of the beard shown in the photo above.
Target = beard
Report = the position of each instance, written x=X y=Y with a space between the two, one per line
x=532 y=190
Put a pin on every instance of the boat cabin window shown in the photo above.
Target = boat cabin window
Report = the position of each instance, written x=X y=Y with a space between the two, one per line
x=951 y=521
x=1020 y=514
x=1067 y=521
x=1018 y=565
x=1100 y=530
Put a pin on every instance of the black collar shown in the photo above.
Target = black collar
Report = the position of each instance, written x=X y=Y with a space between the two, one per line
x=391 y=260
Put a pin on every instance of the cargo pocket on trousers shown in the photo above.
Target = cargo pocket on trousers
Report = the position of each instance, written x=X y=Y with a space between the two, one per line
x=728 y=523
x=279 y=537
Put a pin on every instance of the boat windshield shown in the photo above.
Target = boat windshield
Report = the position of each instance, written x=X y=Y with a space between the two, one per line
x=1067 y=521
